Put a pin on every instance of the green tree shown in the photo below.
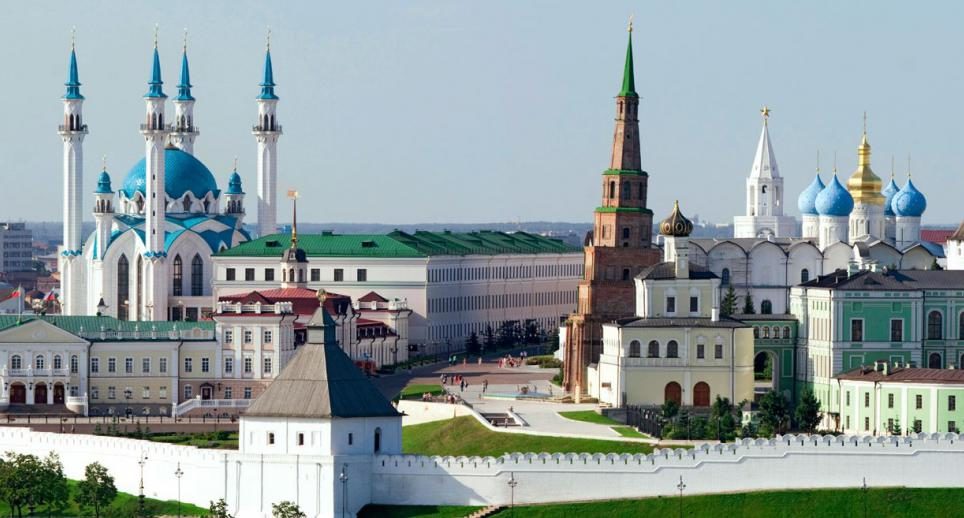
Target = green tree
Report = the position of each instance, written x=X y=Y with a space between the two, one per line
x=895 y=430
x=219 y=509
x=286 y=509
x=20 y=481
x=774 y=413
x=670 y=409
x=808 y=413
x=728 y=305
x=748 y=304
x=488 y=338
x=472 y=345
x=722 y=423
x=97 y=490
x=54 y=489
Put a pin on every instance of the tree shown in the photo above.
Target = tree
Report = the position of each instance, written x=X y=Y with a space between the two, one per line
x=808 y=413
x=472 y=345
x=97 y=490
x=219 y=509
x=728 y=305
x=488 y=338
x=748 y=304
x=774 y=413
x=895 y=430
x=286 y=509
x=669 y=409
x=54 y=490
x=19 y=481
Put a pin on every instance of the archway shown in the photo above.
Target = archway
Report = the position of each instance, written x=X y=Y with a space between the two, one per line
x=934 y=361
x=58 y=393
x=18 y=394
x=40 y=394
x=765 y=372
x=701 y=394
x=673 y=392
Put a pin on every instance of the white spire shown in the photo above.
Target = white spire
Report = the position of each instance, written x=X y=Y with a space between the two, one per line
x=764 y=162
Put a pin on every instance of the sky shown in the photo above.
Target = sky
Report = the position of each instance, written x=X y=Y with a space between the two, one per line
x=496 y=111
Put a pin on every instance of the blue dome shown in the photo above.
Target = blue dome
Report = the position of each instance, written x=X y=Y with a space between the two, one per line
x=834 y=200
x=909 y=202
x=234 y=184
x=182 y=174
x=808 y=197
x=889 y=193
x=103 y=184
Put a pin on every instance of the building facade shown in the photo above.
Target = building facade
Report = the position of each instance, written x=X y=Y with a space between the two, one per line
x=16 y=247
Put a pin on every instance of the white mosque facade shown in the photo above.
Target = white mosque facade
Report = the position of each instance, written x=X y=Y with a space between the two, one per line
x=149 y=257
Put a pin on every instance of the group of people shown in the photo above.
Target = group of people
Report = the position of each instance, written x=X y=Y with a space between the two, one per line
x=456 y=379
x=509 y=361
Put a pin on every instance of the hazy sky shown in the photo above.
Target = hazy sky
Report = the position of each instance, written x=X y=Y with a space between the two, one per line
x=449 y=111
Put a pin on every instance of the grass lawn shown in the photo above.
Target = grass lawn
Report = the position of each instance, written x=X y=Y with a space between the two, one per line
x=890 y=502
x=123 y=505
x=416 y=391
x=466 y=436
x=629 y=431
x=588 y=416
x=217 y=440
x=412 y=511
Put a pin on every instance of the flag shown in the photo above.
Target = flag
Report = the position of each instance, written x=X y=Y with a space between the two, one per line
x=13 y=294
x=51 y=297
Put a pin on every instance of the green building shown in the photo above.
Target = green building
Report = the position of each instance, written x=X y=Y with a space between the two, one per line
x=774 y=347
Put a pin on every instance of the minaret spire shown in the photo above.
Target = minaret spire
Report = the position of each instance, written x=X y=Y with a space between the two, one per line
x=266 y=132
x=629 y=79
x=184 y=132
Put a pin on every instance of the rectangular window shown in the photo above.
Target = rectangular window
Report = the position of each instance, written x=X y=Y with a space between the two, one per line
x=162 y=365
x=128 y=365
x=951 y=403
x=111 y=364
x=918 y=401
x=917 y=426
x=188 y=365
x=74 y=364
x=269 y=274
x=866 y=399
x=267 y=365
x=339 y=274
x=228 y=336
x=247 y=392
x=205 y=365
x=228 y=393
x=848 y=398
x=162 y=392
x=249 y=274
x=267 y=337
x=952 y=426
x=146 y=392
x=866 y=424
x=247 y=365
x=228 y=365
x=896 y=330
x=848 y=423
x=270 y=438
x=694 y=304
x=315 y=274
x=700 y=353
x=361 y=275
x=890 y=401
x=718 y=351
x=351 y=438
x=301 y=439
x=857 y=330
x=111 y=392
x=248 y=336
x=145 y=365
x=95 y=365
x=94 y=393
x=670 y=304
x=890 y=425
x=229 y=274
x=188 y=392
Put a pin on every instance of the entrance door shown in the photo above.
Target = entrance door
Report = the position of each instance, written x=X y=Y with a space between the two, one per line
x=673 y=392
x=701 y=394
x=18 y=394
x=40 y=394
x=206 y=392
x=58 y=394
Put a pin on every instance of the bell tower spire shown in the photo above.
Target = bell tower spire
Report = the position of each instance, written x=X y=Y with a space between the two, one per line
x=266 y=133
x=184 y=132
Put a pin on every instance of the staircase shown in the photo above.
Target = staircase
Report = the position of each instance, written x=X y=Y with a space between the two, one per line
x=488 y=511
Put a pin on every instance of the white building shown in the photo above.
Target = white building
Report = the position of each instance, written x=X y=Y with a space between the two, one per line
x=764 y=195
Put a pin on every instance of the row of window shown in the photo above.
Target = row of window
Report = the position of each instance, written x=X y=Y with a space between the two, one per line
x=300 y=439
x=129 y=365
x=672 y=350
x=764 y=332
x=528 y=271
x=671 y=304
x=314 y=274
x=197 y=276
x=247 y=336
x=188 y=365
x=500 y=300
x=918 y=401
x=128 y=392
x=40 y=362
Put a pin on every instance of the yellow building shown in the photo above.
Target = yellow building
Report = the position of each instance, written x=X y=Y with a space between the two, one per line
x=677 y=347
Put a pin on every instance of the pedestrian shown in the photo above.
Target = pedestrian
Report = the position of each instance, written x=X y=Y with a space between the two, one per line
x=485 y=385
x=480 y=360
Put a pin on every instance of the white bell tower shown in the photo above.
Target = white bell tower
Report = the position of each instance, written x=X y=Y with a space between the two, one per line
x=764 y=194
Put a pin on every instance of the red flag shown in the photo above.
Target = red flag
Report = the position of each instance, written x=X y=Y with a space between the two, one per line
x=51 y=297
x=13 y=294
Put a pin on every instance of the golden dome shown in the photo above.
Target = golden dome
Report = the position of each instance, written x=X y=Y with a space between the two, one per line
x=864 y=185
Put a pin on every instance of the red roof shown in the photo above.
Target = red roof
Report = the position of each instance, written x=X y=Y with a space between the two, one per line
x=938 y=236
x=303 y=301
x=371 y=296
x=369 y=322
x=907 y=375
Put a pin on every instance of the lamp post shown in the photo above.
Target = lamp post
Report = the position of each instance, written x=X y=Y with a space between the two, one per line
x=863 y=491
x=178 y=473
x=140 y=494
x=343 y=478
x=681 y=486
x=512 y=483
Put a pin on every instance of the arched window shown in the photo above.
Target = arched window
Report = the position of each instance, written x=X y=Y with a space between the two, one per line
x=766 y=332
x=197 y=276
x=672 y=349
x=725 y=276
x=16 y=362
x=39 y=362
x=935 y=325
x=58 y=362
x=123 y=287
x=625 y=232
x=653 y=350
x=933 y=361
x=177 y=288
x=612 y=189
x=139 y=286
x=756 y=332
x=673 y=392
x=635 y=349
x=786 y=332
x=187 y=204
x=766 y=307
x=763 y=189
x=804 y=275
x=74 y=364
x=378 y=440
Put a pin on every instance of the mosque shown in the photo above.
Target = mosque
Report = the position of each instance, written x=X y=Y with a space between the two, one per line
x=149 y=257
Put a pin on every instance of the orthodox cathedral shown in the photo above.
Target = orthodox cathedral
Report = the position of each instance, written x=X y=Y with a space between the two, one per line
x=149 y=257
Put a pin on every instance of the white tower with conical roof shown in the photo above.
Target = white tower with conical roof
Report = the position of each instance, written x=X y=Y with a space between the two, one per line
x=266 y=132
x=764 y=194
x=72 y=131
x=183 y=131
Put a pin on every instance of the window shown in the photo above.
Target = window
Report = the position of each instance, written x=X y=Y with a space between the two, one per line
x=162 y=365
x=890 y=425
x=951 y=403
x=670 y=304
x=123 y=287
x=766 y=332
x=145 y=365
x=58 y=362
x=188 y=364
x=766 y=307
x=625 y=232
x=111 y=392
x=917 y=426
x=197 y=276
x=247 y=365
x=918 y=401
x=786 y=332
x=269 y=274
x=725 y=276
x=339 y=274
x=94 y=393
x=952 y=426
x=249 y=274
x=228 y=393
x=653 y=350
x=177 y=287
x=857 y=330
x=228 y=336
x=848 y=423
x=229 y=274
x=111 y=364
x=934 y=361
x=228 y=365
x=162 y=392
x=378 y=440
x=205 y=365
x=890 y=401
x=74 y=364
x=635 y=349
x=960 y=326
x=39 y=362
x=94 y=364
x=315 y=275
x=301 y=439
x=866 y=399
x=625 y=274
x=756 y=332
x=146 y=392
x=935 y=325
x=247 y=392
x=694 y=304
x=128 y=365
x=848 y=398
x=267 y=365
x=248 y=336
x=188 y=392
x=700 y=351
x=361 y=275
x=351 y=438
x=672 y=349
x=866 y=424
x=267 y=336
x=718 y=352
x=804 y=275
x=270 y=438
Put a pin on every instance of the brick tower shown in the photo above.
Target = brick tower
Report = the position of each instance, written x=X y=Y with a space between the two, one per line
x=620 y=244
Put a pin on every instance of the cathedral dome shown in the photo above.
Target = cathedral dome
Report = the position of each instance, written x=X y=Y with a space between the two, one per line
x=808 y=198
x=909 y=202
x=889 y=193
x=676 y=225
x=834 y=200
x=182 y=174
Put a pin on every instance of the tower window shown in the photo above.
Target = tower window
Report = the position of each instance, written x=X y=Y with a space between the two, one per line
x=626 y=233
x=612 y=189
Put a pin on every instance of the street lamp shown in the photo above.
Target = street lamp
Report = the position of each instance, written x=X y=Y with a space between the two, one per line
x=681 y=486
x=178 y=473
x=512 y=483
x=343 y=478
x=140 y=494
x=863 y=490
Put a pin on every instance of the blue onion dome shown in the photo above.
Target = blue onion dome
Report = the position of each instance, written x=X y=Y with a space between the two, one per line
x=909 y=202
x=834 y=200
x=889 y=193
x=182 y=174
x=808 y=198
x=234 y=184
x=103 y=184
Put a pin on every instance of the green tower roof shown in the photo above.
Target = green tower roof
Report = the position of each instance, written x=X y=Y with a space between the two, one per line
x=629 y=81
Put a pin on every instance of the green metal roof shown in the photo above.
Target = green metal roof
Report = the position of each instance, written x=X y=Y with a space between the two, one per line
x=402 y=244
x=88 y=325
x=629 y=80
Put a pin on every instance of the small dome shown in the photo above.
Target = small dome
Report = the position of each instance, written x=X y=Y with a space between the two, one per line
x=889 y=193
x=234 y=184
x=834 y=200
x=806 y=201
x=676 y=225
x=182 y=174
x=909 y=202
x=103 y=184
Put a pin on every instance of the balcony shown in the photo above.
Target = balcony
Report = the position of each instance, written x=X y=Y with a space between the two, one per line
x=257 y=128
x=197 y=402
x=15 y=373
x=63 y=128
